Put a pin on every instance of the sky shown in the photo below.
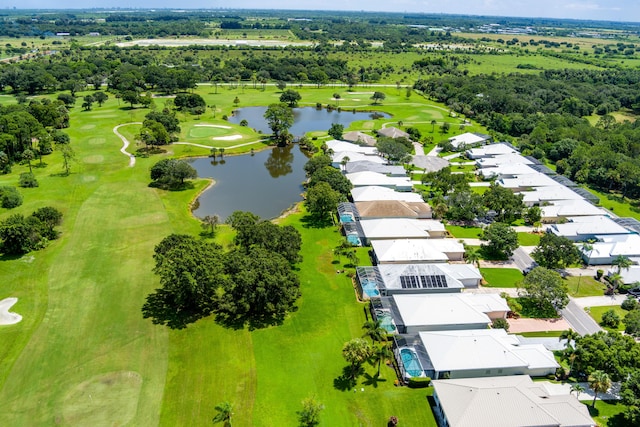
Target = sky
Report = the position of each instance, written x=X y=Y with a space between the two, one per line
x=613 y=10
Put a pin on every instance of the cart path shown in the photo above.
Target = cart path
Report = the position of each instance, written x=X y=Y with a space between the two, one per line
x=125 y=142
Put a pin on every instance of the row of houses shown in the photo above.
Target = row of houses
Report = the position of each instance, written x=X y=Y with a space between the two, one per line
x=568 y=210
x=416 y=287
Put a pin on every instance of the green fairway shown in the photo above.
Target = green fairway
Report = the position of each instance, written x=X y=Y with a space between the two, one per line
x=83 y=354
x=501 y=277
x=206 y=131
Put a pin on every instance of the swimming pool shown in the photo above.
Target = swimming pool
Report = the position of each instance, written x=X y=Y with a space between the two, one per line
x=354 y=239
x=346 y=218
x=412 y=367
x=370 y=289
x=386 y=320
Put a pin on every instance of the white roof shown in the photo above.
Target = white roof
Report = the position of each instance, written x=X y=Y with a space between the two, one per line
x=368 y=178
x=368 y=165
x=355 y=156
x=509 y=401
x=491 y=150
x=629 y=275
x=486 y=303
x=550 y=193
x=505 y=170
x=375 y=192
x=588 y=226
x=466 y=139
x=415 y=250
x=528 y=180
x=441 y=310
x=566 y=208
x=391 y=273
x=400 y=228
x=491 y=349
x=337 y=146
x=504 y=159
x=612 y=246
x=461 y=271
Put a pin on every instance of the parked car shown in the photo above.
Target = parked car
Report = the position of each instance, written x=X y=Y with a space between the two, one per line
x=635 y=292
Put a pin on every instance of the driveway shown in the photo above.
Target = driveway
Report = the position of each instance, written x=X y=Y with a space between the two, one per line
x=522 y=259
x=537 y=325
x=579 y=320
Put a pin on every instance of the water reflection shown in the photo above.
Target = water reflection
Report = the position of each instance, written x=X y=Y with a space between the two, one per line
x=280 y=160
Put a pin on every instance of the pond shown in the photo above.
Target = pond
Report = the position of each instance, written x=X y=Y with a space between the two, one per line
x=307 y=119
x=265 y=183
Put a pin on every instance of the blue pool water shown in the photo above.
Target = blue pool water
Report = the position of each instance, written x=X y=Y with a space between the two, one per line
x=386 y=321
x=370 y=289
x=353 y=239
x=346 y=218
x=411 y=363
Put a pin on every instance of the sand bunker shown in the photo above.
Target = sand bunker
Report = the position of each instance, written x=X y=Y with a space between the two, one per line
x=228 y=138
x=7 y=318
x=212 y=126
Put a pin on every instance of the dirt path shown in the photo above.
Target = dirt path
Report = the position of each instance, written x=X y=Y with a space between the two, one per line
x=125 y=143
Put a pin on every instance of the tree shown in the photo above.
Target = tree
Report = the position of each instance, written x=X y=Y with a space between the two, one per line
x=88 y=102
x=444 y=127
x=630 y=395
x=380 y=354
x=236 y=101
x=50 y=218
x=345 y=160
x=503 y=240
x=378 y=96
x=225 y=413
x=570 y=335
x=100 y=97
x=507 y=205
x=500 y=323
x=280 y=118
x=68 y=99
x=374 y=330
x=545 y=287
x=171 y=173
x=309 y=415
x=333 y=177
x=336 y=131
x=393 y=150
x=131 y=97
x=587 y=248
x=555 y=251
x=290 y=97
x=10 y=197
x=210 y=222
x=533 y=215
x=28 y=155
x=337 y=97
x=577 y=388
x=261 y=288
x=599 y=382
x=433 y=125
x=356 y=352
x=631 y=323
x=28 y=180
x=610 y=319
x=622 y=263
x=321 y=200
x=463 y=205
x=315 y=163
x=68 y=155
x=281 y=85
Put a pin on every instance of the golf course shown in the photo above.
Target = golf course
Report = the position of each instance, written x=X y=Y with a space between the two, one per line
x=83 y=354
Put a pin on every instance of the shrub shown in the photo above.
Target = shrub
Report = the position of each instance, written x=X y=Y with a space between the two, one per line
x=10 y=197
x=610 y=319
x=500 y=324
x=244 y=122
x=28 y=180
x=419 y=382
x=599 y=274
x=631 y=303
x=319 y=105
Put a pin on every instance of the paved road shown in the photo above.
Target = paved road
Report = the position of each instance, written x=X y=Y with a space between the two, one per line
x=522 y=259
x=579 y=320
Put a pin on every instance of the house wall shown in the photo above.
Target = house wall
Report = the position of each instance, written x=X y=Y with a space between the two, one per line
x=470 y=283
x=493 y=315
x=414 y=329
x=478 y=373
x=455 y=256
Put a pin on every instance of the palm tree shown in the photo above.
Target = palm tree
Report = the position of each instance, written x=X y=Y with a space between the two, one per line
x=344 y=162
x=587 y=247
x=577 y=388
x=569 y=335
x=379 y=354
x=221 y=151
x=622 y=262
x=473 y=257
x=599 y=382
x=225 y=412
x=374 y=330
x=615 y=280
x=433 y=125
x=214 y=152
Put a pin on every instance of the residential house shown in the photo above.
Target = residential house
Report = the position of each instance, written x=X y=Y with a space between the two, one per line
x=365 y=179
x=376 y=192
x=491 y=150
x=585 y=228
x=467 y=140
x=393 y=132
x=359 y=138
x=367 y=164
x=401 y=228
x=422 y=251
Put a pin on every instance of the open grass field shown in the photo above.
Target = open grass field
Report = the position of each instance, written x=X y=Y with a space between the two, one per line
x=83 y=355
x=528 y=239
x=607 y=413
x=462 y=232
x=501 y=277
x=584 y=286
x=616 y=204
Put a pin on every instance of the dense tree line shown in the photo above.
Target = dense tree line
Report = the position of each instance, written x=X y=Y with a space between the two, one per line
x=20 y=234
x=253 y=283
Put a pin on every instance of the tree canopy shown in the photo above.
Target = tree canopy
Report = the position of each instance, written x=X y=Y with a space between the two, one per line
x=502 y=240
x=545 y=288
x=555 y=251
x=280 y=118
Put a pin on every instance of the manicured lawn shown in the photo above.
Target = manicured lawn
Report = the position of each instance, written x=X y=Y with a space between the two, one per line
x=501 y=277
x=607 y=413
x=462 y=232
x=597 y=312
x=585 y=286
x=83 y=354
x=528 y=239
x=616 y=204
